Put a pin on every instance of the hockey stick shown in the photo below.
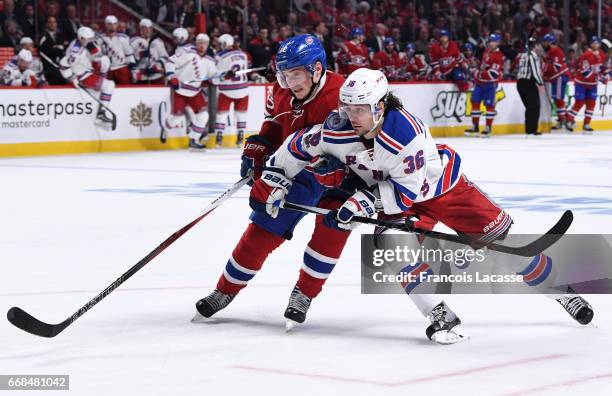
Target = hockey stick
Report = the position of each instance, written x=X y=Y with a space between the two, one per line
x=532 y=249
x=27 y=322
x=605 y=96
x=113 y=115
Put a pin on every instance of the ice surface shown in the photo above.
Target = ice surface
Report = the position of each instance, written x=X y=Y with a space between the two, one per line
x=71 y=224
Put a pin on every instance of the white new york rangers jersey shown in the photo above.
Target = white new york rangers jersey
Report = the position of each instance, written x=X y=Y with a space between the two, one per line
x=235 y=60
x=78 y=60
x=12 y=76
x=119 y=50
x=210 y=67
x=188 y=67
x=405 y=163
x=149 y=54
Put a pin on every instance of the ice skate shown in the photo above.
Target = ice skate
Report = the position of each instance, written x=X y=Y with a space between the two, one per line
x=445 y=326
x=569 y=126
x=219 y=139
x=297 y=308
x=587 y=130
x=211 y=304
x=576 y=306
x=473 y=131
x=486 y=133
x=103 y=119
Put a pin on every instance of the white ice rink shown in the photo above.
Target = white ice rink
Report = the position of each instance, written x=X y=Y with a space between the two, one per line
x=71 y=224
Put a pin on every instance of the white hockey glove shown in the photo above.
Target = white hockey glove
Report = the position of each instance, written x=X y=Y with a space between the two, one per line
x=269 y=191
x=363 y=203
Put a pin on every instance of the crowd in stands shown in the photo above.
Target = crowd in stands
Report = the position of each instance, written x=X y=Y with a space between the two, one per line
x=394 y=35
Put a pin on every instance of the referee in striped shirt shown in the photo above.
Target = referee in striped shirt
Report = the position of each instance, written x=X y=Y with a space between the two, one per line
x=529 y=79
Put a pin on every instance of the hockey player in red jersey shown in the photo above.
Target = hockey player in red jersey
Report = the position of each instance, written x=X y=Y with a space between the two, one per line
x=556 y=72
x=353 y=53
x=589 y=72
x=387 y=60
x=487 y=77
x=303 y=96
x=445 y=61
x=416 y=67
x=469 y=62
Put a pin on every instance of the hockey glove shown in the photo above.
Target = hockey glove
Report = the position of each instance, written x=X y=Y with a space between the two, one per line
x=174 y=83
x=362 y=203
x=254 y=155
x=269 y=191
x=330 y=171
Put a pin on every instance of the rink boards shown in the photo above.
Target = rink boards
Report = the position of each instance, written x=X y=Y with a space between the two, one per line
x=61 y=120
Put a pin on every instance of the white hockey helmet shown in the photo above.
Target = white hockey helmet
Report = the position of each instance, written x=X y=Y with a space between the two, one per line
x=202 y=37
x=85 y=34
x=25 y=55
x=226 y=41
x=364 y=86
x=146 y=23
x=180 y=35
x=25 y=40
x=111 y=19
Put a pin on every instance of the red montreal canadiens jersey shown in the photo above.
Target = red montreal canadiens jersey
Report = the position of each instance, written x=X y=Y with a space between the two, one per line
x=554 y=63
x=417 y=67
x=491 y=66
x=352 y=57
x=446 y=58
x=285 y=115
x=590 y=67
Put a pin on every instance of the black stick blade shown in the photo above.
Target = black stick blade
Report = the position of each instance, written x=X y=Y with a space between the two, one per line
x=26 y=322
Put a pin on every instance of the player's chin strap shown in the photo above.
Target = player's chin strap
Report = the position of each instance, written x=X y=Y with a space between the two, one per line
x=312 y=88
x=532 y=249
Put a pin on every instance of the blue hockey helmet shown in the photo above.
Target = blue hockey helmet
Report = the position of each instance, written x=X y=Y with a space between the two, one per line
x=468 y=47
x=357 y=31
x=410 y=47
x=444 y=32
x=303 y=50
x=494 y=37
x=595 y=39
x=549 y=38
x=388 y=41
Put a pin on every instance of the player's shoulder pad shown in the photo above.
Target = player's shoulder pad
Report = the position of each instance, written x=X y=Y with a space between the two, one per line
x=399 y=129
x=336 y=123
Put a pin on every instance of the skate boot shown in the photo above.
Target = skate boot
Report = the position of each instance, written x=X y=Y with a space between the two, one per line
x=297 y=308
x=473 y=131
x=194 y=145
x=240 y=139
x=445 y=326
x=211 y=304
x=576 y=306
x=487 y=132
x=219 y=139
x=558 y=126
x=569 y=126
x=587 y=130
x=103 y=119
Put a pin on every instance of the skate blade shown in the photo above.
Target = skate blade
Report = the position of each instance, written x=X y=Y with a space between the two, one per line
x=454 y=336
x=198 y=318
x=587 y=132
x=290 y=325
x=103 y=125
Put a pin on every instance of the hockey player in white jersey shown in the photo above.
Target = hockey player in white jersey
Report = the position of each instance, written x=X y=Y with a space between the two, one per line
x=150 y=54
x=185 y=71
x=85 y=66
x=233 y=88
x=36 y=65
x=120 y=52
x=406 y=173
x=17 y=72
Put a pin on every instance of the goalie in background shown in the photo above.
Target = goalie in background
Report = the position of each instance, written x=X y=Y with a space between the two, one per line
x=85 y=67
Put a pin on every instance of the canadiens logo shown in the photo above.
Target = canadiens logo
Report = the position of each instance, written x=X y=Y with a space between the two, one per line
x=297 y=109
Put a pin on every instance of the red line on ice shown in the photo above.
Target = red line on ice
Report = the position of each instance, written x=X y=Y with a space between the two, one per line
x=417 y=380
x=571 y=382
